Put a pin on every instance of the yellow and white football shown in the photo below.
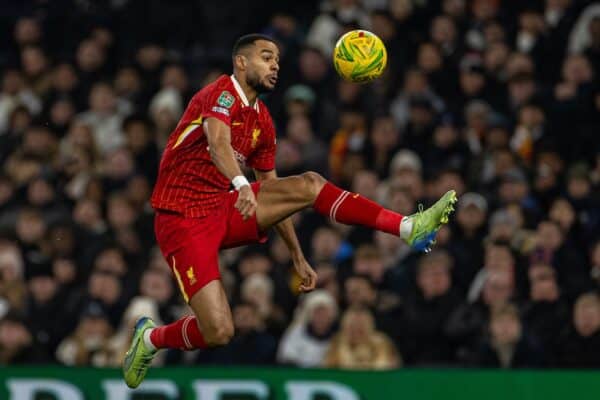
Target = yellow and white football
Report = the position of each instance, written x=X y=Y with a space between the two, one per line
x=359 y=56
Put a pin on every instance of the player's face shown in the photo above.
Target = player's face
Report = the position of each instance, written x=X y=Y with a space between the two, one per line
x=263 y=66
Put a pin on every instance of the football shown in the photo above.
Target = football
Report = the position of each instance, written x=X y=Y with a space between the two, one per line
x=359 y=56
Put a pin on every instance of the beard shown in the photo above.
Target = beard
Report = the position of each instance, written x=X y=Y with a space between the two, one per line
x=253 y=80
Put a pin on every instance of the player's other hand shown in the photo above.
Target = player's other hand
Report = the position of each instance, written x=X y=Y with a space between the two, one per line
x=307 y=274
x=246 y=202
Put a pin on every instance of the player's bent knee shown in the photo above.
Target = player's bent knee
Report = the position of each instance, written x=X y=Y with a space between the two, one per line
x=219 y=336
x=314 y=182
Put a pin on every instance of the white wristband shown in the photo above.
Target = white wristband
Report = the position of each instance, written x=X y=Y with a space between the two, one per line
x=240 y=181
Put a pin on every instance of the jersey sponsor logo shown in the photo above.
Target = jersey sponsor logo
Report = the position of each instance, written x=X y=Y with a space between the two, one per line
x=255 y=135
x=226 y=99
x=221 y=110
x=240 y=157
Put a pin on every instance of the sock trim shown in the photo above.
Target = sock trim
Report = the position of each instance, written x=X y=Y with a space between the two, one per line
x=184 y=334
x=406 y=227
x=148 y=339
x=337 y=203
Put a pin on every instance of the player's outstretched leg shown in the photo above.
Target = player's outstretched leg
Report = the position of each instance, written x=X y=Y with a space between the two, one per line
x=280 y=198
x=211 y=326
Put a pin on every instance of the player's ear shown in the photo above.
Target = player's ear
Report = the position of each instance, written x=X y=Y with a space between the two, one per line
x=241 y=61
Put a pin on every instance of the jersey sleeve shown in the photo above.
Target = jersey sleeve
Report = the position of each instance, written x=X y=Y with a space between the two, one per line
x=218 y=104
x=263 y=158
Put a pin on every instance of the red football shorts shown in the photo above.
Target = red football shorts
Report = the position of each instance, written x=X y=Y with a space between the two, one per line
x=191 y=245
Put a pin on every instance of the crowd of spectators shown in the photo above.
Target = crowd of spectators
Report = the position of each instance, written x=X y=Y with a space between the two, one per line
x=499 y=100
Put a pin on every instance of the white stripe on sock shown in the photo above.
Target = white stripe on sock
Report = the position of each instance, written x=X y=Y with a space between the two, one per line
x=338 y=204
x=334 y=205
x=184 y=334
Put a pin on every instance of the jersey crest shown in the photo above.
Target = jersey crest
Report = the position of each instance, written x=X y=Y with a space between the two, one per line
x=255 y=135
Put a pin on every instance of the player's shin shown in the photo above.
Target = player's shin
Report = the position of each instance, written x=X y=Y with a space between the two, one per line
x=353 y=209
x=183 y=334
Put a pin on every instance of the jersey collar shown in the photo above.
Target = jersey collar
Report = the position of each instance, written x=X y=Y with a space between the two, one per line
x=240 y=92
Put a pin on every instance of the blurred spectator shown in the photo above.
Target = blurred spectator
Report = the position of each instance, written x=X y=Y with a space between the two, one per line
x=312 y=149
x=406 y=172
x=27 y=31
x=112 y=354
x=17 y=345
x=90 y=339
x=36 y=67
x=64 y=84
x=251 y=345
x=508 y=345
x=139 y=138
x=306 y=341
x=331 y=23
x=579 y=346
x=14 y=93
x=128 y=87
x=553 y=248
x=326 y=245
x=383 y=142
x=299 y=100
x=90 y=59
x=257 y=290
x=359 y=346
x=347 y=143
x=105 y=289
x=498 y=258
x=157 y=285
x=426 y=312
x=415 y=84
x=44 y=303
x=467 y=247
x=546 y=313
x=581 y=35
x=468 y=322
x=165 y=109
x=12 y=287
x=104 y=117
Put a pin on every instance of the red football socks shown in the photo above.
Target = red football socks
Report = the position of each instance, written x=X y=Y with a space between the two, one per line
x=354 y=209
x=182 y=334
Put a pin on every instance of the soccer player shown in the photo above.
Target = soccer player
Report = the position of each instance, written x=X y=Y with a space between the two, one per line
x=225 y=125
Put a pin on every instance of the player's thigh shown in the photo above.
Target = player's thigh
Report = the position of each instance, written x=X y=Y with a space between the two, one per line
x=279 y=198
x=197 y=273
x=211 y=307
x=191 y=247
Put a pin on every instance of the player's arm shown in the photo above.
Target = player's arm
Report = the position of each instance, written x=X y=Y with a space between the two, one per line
x=218 y=135
x=285 y=229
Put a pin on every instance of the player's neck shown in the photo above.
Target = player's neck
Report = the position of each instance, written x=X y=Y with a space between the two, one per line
x=249 y=92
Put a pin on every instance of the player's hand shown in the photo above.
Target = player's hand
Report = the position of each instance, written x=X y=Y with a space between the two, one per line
x=246 y=202
x=307 y=274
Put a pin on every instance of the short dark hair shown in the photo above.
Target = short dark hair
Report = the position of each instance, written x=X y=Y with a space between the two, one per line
x=248 y=40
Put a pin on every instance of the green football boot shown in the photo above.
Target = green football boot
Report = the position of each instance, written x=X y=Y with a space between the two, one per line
x=427 y=223
x=139 y=356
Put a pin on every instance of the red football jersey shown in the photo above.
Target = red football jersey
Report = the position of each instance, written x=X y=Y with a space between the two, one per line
x=188 y=181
